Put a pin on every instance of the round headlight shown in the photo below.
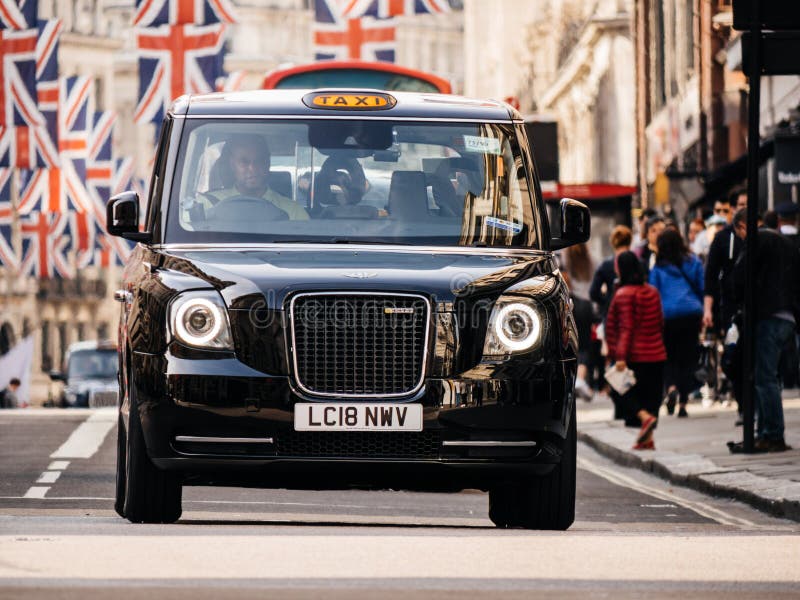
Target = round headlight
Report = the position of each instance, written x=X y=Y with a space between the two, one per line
x=518 y=326
x=198 y=321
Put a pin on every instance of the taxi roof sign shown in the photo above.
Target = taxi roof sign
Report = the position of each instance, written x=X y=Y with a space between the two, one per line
x=349 y=100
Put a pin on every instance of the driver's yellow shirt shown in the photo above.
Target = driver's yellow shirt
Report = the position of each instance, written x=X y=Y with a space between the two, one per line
x=291 y=208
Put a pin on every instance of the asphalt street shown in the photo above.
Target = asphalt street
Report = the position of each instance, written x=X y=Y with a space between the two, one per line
x=633 y=535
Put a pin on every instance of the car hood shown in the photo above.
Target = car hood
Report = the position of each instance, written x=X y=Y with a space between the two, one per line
x=256 y=275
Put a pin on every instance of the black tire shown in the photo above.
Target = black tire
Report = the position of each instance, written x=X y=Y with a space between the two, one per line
x=151 y=495
x=545 y=502
x=119 y=497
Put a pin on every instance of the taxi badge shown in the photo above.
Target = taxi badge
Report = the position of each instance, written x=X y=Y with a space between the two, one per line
x=349 y=100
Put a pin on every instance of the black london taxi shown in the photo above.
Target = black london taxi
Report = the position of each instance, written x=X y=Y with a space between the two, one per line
x=346 y=289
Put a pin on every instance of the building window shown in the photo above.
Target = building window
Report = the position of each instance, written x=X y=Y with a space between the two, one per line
x=7 y=340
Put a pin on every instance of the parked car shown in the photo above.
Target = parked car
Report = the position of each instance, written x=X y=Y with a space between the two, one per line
x=89 y=375
x=422 y=339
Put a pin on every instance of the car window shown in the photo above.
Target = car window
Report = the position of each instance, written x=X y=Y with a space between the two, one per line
x=359 y=181
x=95 y=364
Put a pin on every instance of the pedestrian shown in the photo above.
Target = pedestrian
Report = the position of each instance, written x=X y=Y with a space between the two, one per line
x=579 y=269
x=777 y=313
x=601 y=291
x=641 y=225
x=787 y=221
x=698 y=240
x=646 y=251
x=719 y=301
x=602 y=288
x=790 y=357
x=8 y=395
x=678 y=277
x=633 y=333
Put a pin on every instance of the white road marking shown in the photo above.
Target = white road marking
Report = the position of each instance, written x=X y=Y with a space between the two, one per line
x=85 y=441
x=701 y=508
x=48 y=477
x=36 y=492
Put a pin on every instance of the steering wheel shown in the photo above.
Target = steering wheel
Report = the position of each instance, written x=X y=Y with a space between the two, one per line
x=246 y=208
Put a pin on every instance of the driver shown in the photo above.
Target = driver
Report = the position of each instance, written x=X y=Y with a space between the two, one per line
x=247 y=159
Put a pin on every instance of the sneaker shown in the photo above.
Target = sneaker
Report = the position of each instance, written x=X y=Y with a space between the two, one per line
x=672 y=398
x=583 y=391
x=647 y=428
x=682 y=412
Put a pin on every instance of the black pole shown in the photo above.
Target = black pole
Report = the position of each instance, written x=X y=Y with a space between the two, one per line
x=753 y=142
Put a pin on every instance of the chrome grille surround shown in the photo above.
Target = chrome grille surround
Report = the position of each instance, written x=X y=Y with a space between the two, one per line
x=374 y=355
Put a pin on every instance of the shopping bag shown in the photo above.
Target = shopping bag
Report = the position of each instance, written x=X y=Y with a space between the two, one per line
x=620 y=381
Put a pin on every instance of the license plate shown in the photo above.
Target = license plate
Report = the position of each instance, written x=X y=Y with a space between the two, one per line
x=357 y=417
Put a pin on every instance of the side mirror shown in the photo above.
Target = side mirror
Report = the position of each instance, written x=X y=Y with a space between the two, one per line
x=57 y=376
x=122 y=217
x=576 y=224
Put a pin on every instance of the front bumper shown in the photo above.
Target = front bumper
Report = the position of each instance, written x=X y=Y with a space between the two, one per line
x=527 y=411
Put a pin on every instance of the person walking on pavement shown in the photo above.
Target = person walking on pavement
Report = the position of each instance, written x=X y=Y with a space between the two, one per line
x=777 y=314
x=602 y=290
x=578 y=271
x=790 y=358
x=8 y=395
x=719 y=301
x=646 y=251
x=678 y=277
x=633 y=333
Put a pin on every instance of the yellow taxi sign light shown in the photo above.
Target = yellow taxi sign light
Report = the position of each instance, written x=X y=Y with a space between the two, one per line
x=349 y=100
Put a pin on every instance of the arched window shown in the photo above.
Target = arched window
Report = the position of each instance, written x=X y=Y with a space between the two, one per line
x=7 y=338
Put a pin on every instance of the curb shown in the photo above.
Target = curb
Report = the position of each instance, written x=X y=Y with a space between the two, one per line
x=777 y=497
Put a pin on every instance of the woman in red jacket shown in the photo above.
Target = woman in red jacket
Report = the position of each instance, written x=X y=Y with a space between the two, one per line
x=634 y=327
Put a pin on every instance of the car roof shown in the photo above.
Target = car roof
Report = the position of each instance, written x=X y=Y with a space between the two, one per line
x=290 y=103
x=92 y=345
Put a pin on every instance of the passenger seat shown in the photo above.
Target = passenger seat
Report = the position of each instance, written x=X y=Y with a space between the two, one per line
x=408 y=196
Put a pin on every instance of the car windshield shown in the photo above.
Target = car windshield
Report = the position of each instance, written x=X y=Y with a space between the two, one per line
x=360 y=181
x=92 y=364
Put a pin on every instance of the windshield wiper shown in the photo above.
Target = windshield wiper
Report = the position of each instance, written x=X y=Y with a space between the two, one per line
x=380 y=242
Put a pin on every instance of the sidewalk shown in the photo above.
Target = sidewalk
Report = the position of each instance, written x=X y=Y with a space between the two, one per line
x=693 y=452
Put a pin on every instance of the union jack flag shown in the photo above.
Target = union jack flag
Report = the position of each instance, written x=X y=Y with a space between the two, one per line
x=182 y=12
x=8 y=258
x=47 y=90
x=336 y=36
x=383 y=9
x=44 y=245
x=17 y=14
x=176 y=60
x=99 y=163
x=75 y=94
x=19 y=113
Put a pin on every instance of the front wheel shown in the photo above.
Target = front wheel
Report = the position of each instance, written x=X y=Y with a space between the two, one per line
x=546 y=502
x=151 y=495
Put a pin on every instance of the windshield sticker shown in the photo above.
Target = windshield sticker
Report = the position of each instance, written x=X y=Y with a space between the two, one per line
x=503 y=224
x=485 y=145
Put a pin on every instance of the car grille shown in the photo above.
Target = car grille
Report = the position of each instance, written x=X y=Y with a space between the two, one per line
x=98 y=399
x=361 y=444
x=359 y=345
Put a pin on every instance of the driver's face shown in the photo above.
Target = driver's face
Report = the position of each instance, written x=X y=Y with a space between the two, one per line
x=250 y=167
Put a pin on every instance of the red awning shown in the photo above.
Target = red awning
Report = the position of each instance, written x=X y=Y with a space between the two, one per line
x=588 y=191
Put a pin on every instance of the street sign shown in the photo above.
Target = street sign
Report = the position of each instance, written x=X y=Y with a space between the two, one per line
x=780 y=52
x=777 y=15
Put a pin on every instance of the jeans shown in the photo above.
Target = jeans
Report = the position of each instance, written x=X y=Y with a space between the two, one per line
x=771 y=336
